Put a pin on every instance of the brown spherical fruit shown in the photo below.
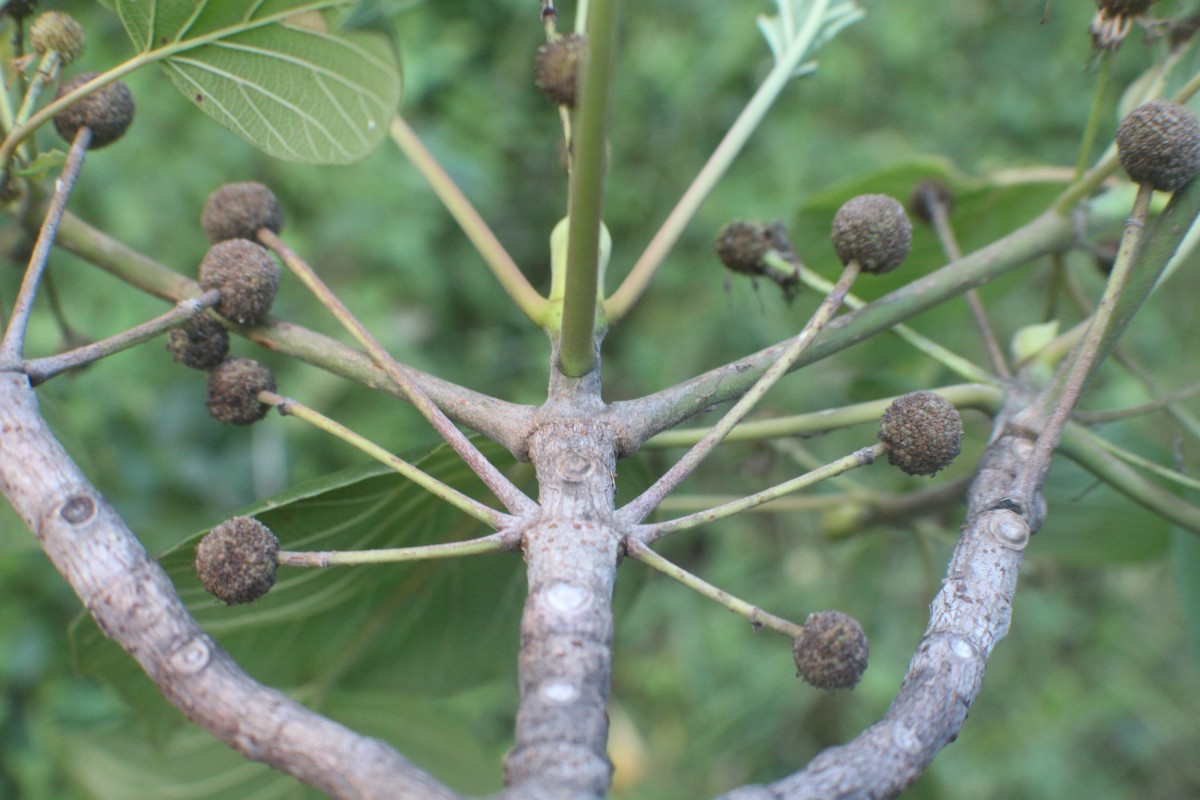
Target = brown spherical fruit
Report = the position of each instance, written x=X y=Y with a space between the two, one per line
x=108 y=111
x=741 y=245
x=557 y=68
x=239 y=210
x=200 y=343
x=923 y=432
x=247 y=277
x=1159 y=145
x=831 y=653
x=927 y=197
x=19 y=9
x=236 y=560
x=873 y=230
x=233 y=387
x=58 y=32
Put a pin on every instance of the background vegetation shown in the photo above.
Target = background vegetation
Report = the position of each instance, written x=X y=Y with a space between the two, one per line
x=1093 y=694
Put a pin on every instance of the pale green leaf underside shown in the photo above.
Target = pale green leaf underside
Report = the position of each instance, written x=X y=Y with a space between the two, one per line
x=281 y=74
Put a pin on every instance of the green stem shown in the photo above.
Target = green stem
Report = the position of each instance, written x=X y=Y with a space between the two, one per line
x=511 y=279
x=970 y=395
x=631 y=289
x=758 y=618
x=577 y=347
x=290 y=408
x=859 y=458
x=493 y=543
x=1093 y=122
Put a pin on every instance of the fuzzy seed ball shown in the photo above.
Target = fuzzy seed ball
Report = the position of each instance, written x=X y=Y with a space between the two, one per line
x=200 y=343
x=741 y=246
x=927 y=196
x=19 y=9
x=247 y=277
x=832 y=651
x=923 y=432
x=107 y=111
x=57 y=31
x=873 y=230
x=238 y=210
x=556 y=71
x=1159 y=144
x=236 y=560
x=233 y=387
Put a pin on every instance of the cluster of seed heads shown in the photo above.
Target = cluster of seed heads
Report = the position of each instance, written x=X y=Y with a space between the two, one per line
x=107 y=112
x=236 y=560
x=831 y=653
x=1159 y=145
x=923 y=433
x=873 y=230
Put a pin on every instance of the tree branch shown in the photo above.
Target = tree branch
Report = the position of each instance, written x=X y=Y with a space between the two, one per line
x=134 y=603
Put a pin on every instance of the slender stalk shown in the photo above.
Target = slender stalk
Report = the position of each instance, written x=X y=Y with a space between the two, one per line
x=758 y=618
x=859 y=458
x=1093 y=122
x=511 y=279
x=1086 y=359
x=493 y=543
x=291 y=408
x=631 y=289
x=637 y=510
x=46 y=70
x=512 y=497
x=1158 y=404
x=944 y=356
x=12 y=348
x=577 y=348
x=968 y=395
x=40 y=370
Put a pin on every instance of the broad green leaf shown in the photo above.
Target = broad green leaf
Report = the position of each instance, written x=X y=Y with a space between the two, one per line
x=289 y=76
x=117 y=764
x=424 y=628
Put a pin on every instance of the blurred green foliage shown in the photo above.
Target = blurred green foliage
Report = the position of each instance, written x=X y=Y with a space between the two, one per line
x=1093 y=693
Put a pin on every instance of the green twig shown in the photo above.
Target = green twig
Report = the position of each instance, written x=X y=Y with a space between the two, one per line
x=631 y=289
x=859 y=458
x=290 y=408
x=758 y=618
x=577 y=346
x=513 y=281
x=493 y=543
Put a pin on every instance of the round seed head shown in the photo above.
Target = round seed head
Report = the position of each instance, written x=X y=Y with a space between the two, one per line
x=236 y=560
x=556 y=70
x=59 y=32
x=741 y=246
x=873 y=230
x=238 y=210
x=200 y=343
x=246 y=276
x=923 y=432
x=927 y=196
x=233 y=387
x=19 y=9
x=832 y=651
x=106 y=111
x=1159 y=144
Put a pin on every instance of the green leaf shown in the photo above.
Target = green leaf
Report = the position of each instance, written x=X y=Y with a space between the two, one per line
x=429 y=628
x=42 y=164
x=116 y=764
x=291 y=77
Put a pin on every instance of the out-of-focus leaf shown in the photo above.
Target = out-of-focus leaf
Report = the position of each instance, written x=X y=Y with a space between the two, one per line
x=425 y=628
x=42 y=164
x=1185 y=558
x=120 y=765
x=288 y=76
